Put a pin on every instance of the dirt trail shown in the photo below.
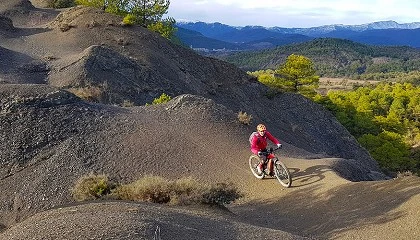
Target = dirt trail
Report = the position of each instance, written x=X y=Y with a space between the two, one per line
x=322 y=205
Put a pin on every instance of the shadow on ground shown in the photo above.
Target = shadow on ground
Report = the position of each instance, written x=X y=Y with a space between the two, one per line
x=308 y=176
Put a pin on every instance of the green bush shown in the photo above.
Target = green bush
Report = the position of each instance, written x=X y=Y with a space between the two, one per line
x=162 y=99
x=389 y=150
x=91 y=187
x=129 y=20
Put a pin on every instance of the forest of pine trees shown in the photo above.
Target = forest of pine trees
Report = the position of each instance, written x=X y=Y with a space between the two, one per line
x=384 y=118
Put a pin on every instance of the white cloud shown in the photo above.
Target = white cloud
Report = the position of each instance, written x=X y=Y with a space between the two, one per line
x=297 y=13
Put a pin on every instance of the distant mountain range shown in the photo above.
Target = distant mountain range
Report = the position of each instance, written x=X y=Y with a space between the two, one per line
x=218 y=37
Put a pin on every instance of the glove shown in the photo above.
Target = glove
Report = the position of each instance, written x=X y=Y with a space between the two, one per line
x=260 y=153
x=279 y=145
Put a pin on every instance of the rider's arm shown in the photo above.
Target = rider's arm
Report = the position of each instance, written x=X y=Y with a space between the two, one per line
x=254 y=145
x=272 y=138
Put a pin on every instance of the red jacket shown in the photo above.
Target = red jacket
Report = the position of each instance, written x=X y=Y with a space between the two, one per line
x=259 y=142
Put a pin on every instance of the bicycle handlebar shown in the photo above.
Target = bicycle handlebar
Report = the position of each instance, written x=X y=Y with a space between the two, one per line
x=270 y=150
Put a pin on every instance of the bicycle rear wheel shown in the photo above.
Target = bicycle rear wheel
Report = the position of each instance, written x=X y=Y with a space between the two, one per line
x=282 y=173
x=254 y=160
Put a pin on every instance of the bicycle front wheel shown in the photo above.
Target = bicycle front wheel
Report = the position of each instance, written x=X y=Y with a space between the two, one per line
x=282 y=173
x=254 y=160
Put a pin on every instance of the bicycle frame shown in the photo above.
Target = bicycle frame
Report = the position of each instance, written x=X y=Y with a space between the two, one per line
x=280 y=170
x=269 y=154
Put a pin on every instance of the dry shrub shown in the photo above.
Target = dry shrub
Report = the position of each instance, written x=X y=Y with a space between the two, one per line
x=185 y=191
x=92 y=24
x=405 y=174
x=91 y=93
x=127 y=103
x=49 y=57
x=244 y=118
x=220 y=193
x=64 y=27
x=60 y=3
x=122 y=41
x=91 y=187
x=148 y=189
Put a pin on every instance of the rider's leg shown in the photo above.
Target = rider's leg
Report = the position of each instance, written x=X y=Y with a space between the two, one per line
x=261 y=166
x=270 y=166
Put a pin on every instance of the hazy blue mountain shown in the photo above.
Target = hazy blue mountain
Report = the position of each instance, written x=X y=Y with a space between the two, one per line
x=388 y=37
x=211 y=30
x=255 y=33
x=198 y=41
x=388 y=33
x=220 y=36
x=322 y=30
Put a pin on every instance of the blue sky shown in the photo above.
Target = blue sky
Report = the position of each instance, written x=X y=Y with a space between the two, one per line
x=295 y=13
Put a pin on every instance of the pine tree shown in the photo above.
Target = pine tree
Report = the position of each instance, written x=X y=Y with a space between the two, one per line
x=298 y=74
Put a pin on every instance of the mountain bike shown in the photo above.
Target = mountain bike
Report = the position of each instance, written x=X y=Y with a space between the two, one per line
x=279 y=168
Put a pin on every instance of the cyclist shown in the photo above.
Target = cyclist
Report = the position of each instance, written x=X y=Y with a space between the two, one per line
x=258 y=142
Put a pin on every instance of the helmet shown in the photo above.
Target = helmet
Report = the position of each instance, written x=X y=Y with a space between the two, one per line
x=261 y=127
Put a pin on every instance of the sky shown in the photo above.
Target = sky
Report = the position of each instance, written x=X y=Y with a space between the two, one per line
x=294 y=13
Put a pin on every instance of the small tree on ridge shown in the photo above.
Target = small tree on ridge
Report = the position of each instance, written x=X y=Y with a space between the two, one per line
x=147 y=13
x=297 y=74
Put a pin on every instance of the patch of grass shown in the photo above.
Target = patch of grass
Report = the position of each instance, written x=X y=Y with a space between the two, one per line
x=91 y=187
x=244 y=118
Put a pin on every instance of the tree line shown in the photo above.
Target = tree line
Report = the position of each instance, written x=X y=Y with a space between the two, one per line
x=385 y=119
x=337 y=58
